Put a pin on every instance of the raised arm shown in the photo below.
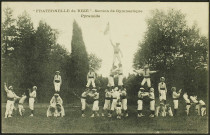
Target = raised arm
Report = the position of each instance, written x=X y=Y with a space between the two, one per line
x=5 y=87
x=111 y=42
x=52 y=99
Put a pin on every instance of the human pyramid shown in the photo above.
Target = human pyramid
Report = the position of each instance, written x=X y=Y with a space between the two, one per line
x=115 y=96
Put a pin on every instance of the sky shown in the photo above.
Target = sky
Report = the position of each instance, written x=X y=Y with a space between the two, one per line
x=125 y=28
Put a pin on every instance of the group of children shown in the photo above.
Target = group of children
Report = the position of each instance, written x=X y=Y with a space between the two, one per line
x=56 y=108
x=164 y=108
x=12 y=99
x=115 y=97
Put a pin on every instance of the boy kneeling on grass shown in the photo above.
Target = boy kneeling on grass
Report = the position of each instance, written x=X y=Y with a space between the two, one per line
x=56 y=107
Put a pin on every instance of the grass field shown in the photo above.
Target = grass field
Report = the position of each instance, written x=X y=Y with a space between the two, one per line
x=74 y=123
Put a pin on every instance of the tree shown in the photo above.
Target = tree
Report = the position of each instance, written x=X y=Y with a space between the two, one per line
x=79 y=58
x=7 y=48
x=175 y=49
x=24 y=49
x=94 y=61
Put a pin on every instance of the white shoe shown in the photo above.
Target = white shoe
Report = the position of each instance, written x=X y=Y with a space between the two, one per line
x=102 y=115
x=92 y=115
x=126 y=115
x=140 y=115
x=109 y=115
x=151 y=115
x=5 y=117
x=31 y=115
x=9 y=116
x=83 y=115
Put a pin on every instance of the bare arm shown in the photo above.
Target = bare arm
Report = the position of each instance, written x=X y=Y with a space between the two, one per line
x=151 y=72
x=111 y=43
x=5 y=87
x=51 y=101
x=166 y=88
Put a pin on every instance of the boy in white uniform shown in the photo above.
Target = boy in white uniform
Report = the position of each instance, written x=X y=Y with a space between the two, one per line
x=146 y=74
x=20 y=104
x=117 y=52
x=107 y=103
x=124 y=101
x=95 y=96
x=197 y=105
x=119 y=109
x=32 y=96
x=141 y=95
x=162 y=90
x=203 y=107
x=115 y=96
x=152 y=102
x=163 y=110
x=175 y=96
x=187 y=101
x=91 y=78
x=10 y=100
x=57 y=81
x=83 y=101
x=113 y=72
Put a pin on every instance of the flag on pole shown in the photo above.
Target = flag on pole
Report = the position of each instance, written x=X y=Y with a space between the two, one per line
x=107 y=29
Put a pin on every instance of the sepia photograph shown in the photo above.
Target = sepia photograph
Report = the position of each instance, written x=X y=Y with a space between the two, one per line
x=105 y=67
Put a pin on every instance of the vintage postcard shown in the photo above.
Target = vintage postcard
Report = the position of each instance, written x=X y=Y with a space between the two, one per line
x=104 y=67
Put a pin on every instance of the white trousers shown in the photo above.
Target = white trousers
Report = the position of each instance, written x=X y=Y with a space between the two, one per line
x=90 y=81
x=152 y=105
x=124 y=104
x=176 y=104
x=117 y=56
x=57 y=86
x=118 y=110
x=83 y=102
x=95 y=105
x=9 y=108
x=140 y=105
x=107 y=104
x=203 y=111
x=162 y=95
x=146 y=80
x=120 y=80
x=31 y=103
x=114 y=104
x=110 y=81
x=21 y=109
